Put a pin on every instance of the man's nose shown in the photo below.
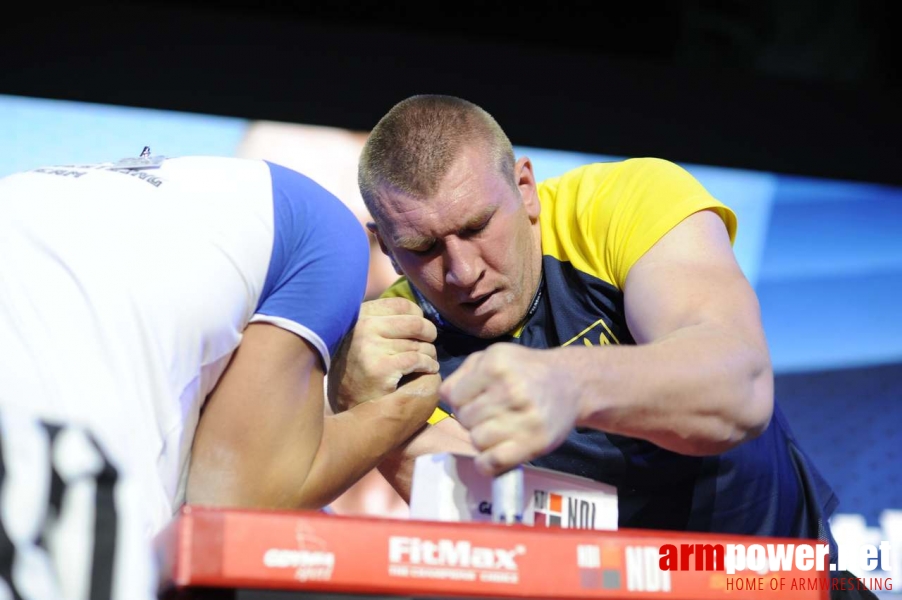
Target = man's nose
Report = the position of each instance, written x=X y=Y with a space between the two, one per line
x=461 y=264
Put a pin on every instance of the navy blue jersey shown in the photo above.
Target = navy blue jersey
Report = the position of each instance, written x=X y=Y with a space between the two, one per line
x=596 y=222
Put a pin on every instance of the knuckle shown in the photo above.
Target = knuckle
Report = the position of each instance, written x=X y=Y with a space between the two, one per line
x=412 y=361
x=394 y=326
x=429 y=332
x=519 y=393
x=403 y=306
x=396 y=304
x=405 y=325
x=422 y=386
x=376 y=307
x=414 y=328
x=463 y=415
x=421 y=363
x=496 y=351
x=367 y=308
x=404 y=345
x=494 y=364
x=494 y=462
x=406 y=360
x=420 y=328
x=479 y=437
x=413 y=308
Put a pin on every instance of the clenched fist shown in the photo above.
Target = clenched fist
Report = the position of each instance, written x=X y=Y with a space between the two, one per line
x=514 y=403
x=391 y=339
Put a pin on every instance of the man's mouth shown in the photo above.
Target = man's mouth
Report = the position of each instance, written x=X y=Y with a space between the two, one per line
x=478 y=301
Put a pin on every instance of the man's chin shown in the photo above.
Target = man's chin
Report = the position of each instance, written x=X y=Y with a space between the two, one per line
x=492 y=327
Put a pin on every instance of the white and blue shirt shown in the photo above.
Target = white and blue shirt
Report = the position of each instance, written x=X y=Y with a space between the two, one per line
x=124 y=293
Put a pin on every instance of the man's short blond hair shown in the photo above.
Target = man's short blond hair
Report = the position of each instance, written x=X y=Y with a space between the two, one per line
x=412 y=147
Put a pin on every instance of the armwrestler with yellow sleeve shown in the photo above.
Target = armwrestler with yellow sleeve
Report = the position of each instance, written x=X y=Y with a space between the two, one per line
x=596 y=323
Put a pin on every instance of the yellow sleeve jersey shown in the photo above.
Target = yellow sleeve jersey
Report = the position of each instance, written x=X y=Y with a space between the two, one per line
x=596 y=222
x=601 y=218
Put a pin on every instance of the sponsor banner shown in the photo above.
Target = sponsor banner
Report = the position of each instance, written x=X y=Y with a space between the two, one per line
x=317 y=552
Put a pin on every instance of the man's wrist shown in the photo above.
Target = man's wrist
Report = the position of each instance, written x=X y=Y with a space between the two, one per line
x=573 y=372
x=413 y=400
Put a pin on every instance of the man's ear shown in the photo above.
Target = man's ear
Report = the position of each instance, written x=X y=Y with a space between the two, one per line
x=526 y=184
x=374 y=229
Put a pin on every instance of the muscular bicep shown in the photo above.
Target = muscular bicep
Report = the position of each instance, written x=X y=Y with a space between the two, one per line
x=261 y=425
x=690 y=278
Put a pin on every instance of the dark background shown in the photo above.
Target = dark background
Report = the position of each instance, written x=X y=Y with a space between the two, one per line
x=794 y=86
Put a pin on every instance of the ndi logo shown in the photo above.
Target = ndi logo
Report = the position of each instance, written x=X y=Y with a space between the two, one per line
x=559 y=510
x=604 y=567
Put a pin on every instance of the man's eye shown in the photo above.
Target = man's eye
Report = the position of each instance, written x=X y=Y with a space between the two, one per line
x=422 y=251
x=478 y=228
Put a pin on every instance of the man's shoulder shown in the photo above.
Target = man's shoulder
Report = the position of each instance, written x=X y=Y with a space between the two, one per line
x=599 y=187
x=599 y=171
x=303 y=207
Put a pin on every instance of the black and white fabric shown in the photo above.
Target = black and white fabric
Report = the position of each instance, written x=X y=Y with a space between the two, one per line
x=69 y=520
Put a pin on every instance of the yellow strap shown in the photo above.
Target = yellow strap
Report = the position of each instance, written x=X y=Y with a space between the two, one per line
x=438 y=415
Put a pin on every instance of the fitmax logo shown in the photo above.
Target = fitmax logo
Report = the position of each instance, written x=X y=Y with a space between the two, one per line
x=451 y=553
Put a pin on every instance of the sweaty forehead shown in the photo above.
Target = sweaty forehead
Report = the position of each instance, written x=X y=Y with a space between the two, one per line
x=408 y=221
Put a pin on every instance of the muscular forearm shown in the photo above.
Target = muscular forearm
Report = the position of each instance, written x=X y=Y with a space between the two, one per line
x=356 y=441
x=697 y=391
x=444 y=436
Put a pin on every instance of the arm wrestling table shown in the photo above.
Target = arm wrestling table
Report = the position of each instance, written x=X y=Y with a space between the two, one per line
x=262 y=555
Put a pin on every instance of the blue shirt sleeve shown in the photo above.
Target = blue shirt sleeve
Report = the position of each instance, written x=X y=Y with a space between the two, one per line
x=317 y=273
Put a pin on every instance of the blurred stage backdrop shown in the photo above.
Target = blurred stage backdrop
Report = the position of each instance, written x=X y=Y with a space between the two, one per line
x=825 y=257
